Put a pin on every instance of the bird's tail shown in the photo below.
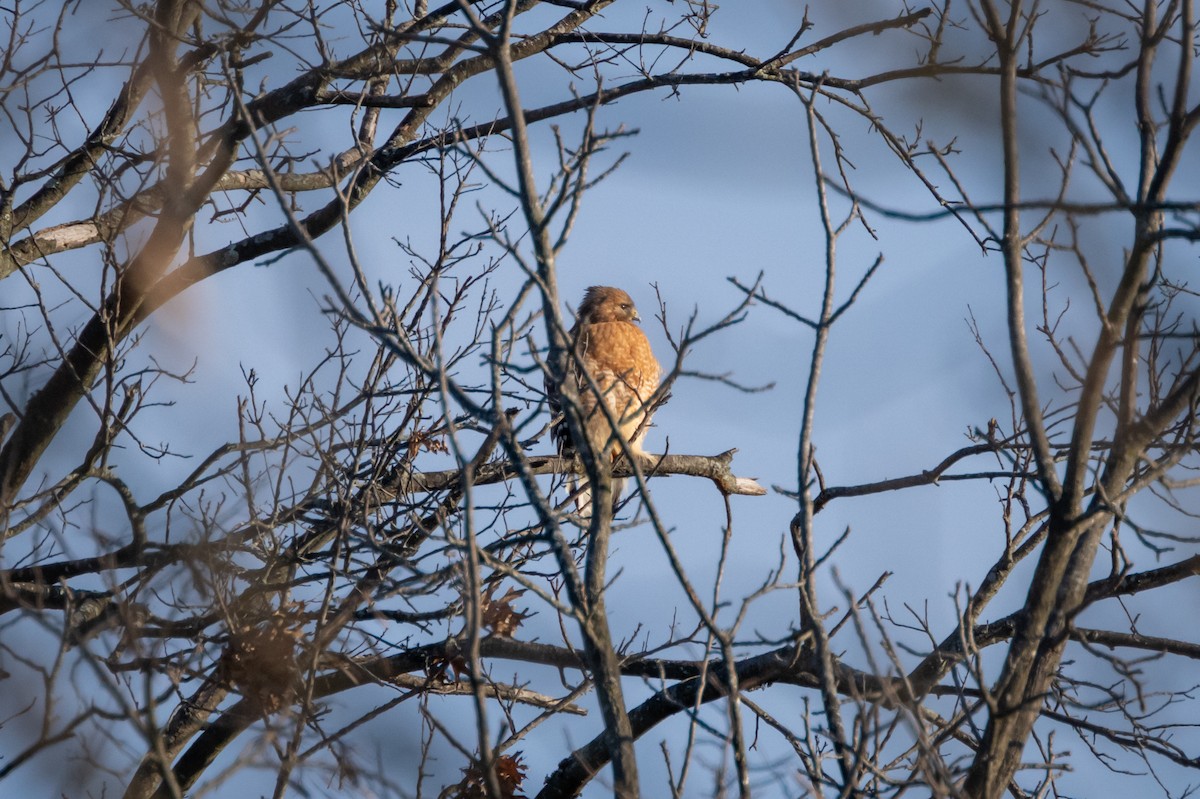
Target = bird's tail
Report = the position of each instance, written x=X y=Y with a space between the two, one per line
x=581 y=493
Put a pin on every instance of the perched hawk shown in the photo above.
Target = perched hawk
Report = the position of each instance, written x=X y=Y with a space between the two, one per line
x=616 y=355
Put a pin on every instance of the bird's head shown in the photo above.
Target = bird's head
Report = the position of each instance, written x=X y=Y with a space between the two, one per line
x=607 y=304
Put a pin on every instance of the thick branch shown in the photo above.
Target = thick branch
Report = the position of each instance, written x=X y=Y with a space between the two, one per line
x=713 y=467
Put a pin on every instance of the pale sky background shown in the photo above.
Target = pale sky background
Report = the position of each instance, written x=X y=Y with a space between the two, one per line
x=718 y=184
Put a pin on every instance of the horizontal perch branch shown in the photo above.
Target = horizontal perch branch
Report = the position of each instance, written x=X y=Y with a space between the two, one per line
x=714 y=467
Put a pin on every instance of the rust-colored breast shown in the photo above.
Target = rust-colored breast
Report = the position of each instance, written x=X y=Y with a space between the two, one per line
x=620 y=352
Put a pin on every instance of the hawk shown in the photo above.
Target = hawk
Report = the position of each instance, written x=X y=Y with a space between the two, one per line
x=614 y=352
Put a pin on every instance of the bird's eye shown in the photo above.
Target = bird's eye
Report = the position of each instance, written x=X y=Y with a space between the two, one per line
x=625 y=306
